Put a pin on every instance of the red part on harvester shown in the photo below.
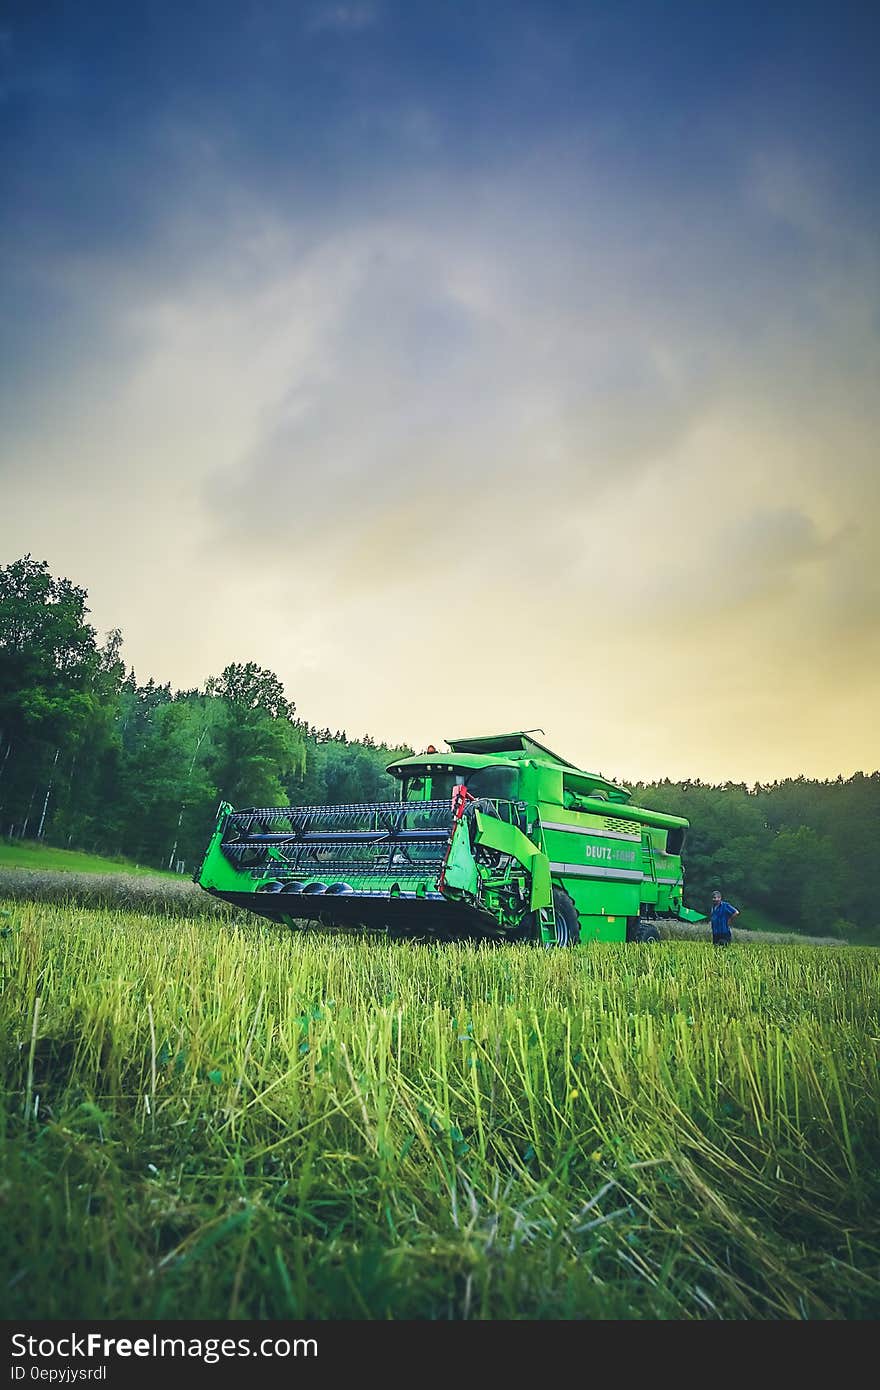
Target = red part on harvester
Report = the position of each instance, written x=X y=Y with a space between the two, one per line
x=460 y=798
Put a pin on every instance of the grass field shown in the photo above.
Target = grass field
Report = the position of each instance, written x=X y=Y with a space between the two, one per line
x=219 y=1119
x=30 y=854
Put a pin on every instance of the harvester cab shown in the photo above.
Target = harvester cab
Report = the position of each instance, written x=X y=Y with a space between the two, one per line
x=498 y=838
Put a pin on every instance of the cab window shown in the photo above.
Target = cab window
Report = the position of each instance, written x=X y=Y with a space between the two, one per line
x=497 y=783
x=675 y=840
x=442 y=784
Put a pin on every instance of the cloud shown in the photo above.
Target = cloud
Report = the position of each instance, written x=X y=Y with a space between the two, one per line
x=445 y=368
x=343 y=18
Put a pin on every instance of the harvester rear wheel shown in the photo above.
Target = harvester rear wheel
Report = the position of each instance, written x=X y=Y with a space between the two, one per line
x=645 y=932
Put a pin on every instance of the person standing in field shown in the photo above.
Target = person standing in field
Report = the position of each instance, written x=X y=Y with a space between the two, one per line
x=723 y=914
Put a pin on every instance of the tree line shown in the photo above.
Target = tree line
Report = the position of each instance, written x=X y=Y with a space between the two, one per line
x=804 y=852
x=91 y=759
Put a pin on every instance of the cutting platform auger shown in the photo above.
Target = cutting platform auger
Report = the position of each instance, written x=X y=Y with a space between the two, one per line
x=497 y=839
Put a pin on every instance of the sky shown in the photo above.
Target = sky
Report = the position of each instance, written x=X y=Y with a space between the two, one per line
x=472 y=366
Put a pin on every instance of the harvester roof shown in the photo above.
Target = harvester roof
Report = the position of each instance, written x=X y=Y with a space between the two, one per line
x=506 y=750
x=519 y=744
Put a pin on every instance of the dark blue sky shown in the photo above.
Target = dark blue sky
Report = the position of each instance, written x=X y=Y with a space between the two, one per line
x=109 y=111
x=599 y=280
x=117 y=118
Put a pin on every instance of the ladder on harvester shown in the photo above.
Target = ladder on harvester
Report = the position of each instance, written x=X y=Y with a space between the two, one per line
x=547 y=924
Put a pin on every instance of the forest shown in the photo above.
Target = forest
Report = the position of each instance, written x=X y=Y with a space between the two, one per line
x=91 y=759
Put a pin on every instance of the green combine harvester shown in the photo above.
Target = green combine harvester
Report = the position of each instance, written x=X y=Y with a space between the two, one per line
x=497 y=839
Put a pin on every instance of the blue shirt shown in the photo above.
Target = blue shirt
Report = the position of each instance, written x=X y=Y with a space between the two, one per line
x=721 y=915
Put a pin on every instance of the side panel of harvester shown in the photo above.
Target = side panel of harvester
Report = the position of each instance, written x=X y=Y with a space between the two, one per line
x=613 y=865
x=599 y=868
x=616 y=861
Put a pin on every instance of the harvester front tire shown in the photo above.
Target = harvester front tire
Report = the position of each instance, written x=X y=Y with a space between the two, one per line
x=568 y=930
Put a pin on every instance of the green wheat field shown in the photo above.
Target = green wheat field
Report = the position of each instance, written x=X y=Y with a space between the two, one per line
x=212 y=1118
